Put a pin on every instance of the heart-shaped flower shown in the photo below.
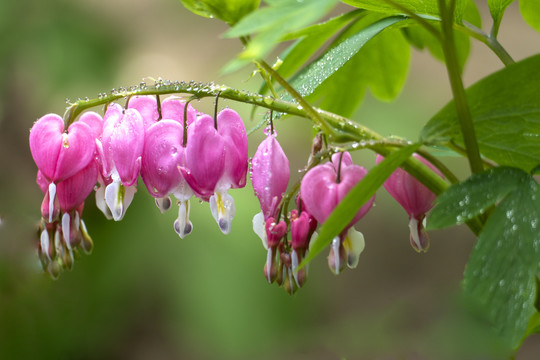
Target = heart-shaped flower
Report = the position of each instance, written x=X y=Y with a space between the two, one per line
x=217 y=160
x=322 y=189
x=162 y=156
x=415 y=198
x=58 y=154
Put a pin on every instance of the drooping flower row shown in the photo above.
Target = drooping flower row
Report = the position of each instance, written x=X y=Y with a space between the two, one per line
x=183 y=153
x=145 y=138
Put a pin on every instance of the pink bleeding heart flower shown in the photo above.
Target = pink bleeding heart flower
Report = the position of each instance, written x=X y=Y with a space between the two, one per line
x=217 y=160
x=415 y=198
x=270 y=177
x=162 y=156
x=322 y=189
x=58 y=154
x=123 y=142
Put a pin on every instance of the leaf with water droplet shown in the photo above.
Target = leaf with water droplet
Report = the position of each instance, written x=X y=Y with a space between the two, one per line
x=464 y=201
x=505 y=108
x=500 y=278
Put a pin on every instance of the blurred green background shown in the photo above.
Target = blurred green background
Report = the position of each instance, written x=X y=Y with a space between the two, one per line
x=146 y=294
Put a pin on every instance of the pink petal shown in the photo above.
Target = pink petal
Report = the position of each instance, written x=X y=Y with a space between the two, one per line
x=45 y=143
x=94 y=121
x=172 y=108
x=146 y=106
x=162 y=154
x=127 y=144
x=269 y=175
x=233 y=131
x=73 y=191
x=410 y=193
x=205 y=156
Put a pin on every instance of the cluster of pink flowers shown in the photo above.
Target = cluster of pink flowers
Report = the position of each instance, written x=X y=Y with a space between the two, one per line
x=145 y=138
x=322 y=188
x=181 y=152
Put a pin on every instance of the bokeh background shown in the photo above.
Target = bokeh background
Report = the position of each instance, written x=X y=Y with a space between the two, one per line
x=146 y=294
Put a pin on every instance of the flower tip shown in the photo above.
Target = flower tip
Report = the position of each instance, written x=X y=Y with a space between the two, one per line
x=183 y=230
x=418 y=236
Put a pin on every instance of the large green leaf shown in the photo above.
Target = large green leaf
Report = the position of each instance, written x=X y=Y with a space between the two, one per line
x=500 y=278
x=505 y=108
x=421 y=7
x=230 y=11
x=343 y=214
x=468 y=199
x=317 y=72
x=530 y=10
x=381 y=64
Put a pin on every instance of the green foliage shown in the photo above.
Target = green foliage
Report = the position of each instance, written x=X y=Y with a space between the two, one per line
x=309 y=79
x=497 y=8
x=310 y=40
x=505 y=107
x=464 y=201
x=530 y=10
x=230 y=11
x=342 y=215
x=381 y=64
x=500 y=279
x=273 y=22
x=420 y=7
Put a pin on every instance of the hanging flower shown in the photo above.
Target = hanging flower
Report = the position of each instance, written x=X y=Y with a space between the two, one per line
x=270 y=177
x=123 y=141
x=216 y=161
x=322 y=189
x=415 y=198
x=58 y=154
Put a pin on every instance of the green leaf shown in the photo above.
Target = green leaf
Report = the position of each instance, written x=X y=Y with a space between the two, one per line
x=313 y=38
x=317 y=72
x=530 y=10
x=356 y=198
x=500 y=278
x=497 y=8
x=505 y=108
x=466 y=200
x=421 y=7
x=271 y=23
x=381 y=64
x=230 y=11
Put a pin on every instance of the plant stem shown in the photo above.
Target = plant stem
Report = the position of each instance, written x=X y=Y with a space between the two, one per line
x=489 y=40
x=458 y=90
